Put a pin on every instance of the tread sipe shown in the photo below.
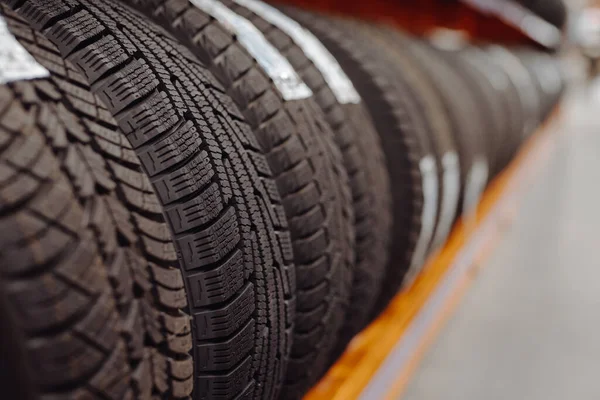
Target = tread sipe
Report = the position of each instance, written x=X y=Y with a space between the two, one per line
x=309 y=173
x=363 y=157
x=212 y=186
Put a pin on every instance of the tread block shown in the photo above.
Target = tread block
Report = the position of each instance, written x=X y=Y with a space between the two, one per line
x=169 y=277
x=105 y=55
x=217 y=285
x=224 y=386
x=211 y=244
x=149 y=119
x=190 y=178
x=225 y=355
x=74 y=30
x=175 y=148
x=123 y=88
x=223 y=322
x=199 y=210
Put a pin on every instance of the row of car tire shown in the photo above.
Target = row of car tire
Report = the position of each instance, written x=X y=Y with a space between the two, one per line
x=208 y=200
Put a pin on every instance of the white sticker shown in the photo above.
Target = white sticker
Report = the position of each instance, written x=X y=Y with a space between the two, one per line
x=332 y=72
x=525 y=88
x=16 y=63
x=429 y=175
x=285 y=78
x=450 y=197
x=475 y=185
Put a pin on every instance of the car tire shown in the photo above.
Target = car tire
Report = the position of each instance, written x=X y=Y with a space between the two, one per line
x=227 y=232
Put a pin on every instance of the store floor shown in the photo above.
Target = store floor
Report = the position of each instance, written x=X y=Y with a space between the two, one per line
x=529 y=327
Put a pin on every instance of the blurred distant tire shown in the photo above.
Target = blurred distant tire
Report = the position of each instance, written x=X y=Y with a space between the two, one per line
x=504 y=101
x=555 y=68
x=487 y=104
x=529 y=99
x=469 y=128
x=439 y=131
x=398 y=122
x=545 y=74
x=416 y=107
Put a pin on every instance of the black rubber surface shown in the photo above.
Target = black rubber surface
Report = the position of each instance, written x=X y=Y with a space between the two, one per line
x=398 y=125
x=214 y=186
x=359 y=142
x=310 y=176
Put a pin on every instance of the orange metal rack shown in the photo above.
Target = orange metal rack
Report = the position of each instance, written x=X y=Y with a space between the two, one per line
x=380 y=360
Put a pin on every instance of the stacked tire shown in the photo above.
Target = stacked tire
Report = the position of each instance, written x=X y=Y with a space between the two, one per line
x=209 y=200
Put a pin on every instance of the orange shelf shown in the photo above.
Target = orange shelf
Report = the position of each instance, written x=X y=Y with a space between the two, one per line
x=380 y=360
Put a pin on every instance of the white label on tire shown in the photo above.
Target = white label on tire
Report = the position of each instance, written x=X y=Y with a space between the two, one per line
x=276 y=66
x=429 y=175
x=475 y=185
x=16 y=63
x=332 y=72
x=450 y=197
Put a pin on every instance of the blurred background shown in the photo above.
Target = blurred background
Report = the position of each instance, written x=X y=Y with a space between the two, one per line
x=527 y=329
